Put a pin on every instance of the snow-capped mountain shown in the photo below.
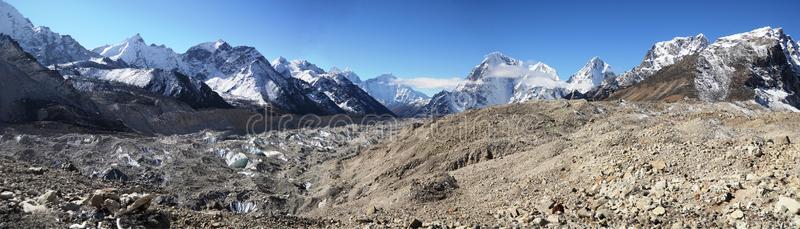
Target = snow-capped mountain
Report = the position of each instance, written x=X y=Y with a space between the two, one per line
x=594 y=74
x=243 y=74
x=336 y=85
x=760 y=65
x=499 y=79
x=765 y=60
x=401 y=99
x=167 y=83
x=137 y=53
x=47 y=46
x=663 y=54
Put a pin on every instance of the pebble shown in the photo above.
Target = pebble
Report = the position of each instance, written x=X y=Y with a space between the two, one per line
x=415 y=224
x=49 y=197
x=7 y=195
x=738 y=214
x=658 y=211
x=37 y=170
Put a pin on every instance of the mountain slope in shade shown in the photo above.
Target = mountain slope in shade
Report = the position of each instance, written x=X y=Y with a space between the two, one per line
x=760 y=65
x=336 y=85
x=45 y=45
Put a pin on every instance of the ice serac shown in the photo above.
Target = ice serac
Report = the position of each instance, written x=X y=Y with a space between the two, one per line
x=400 y=99
x=137 y=53
x=594 y=74
x=499 y=79
x=760 y=65
x=243 y=76
x=335 y=85
x=45 y=45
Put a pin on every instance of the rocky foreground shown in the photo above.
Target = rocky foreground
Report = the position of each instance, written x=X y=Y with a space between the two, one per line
x=537 y=164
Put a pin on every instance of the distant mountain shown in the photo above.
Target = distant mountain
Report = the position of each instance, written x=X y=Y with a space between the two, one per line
x=161 y=82
x=760 y=65
x=594 y=74
x=400 y=99
x=241 y=75
x=498 y=79
x=336 y=85
x=45 y=45
x=137 y=53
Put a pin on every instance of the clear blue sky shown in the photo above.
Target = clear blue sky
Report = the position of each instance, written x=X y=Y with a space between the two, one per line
x=414 y=38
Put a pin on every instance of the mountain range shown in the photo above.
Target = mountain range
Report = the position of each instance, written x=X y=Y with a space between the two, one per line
x=760 y=65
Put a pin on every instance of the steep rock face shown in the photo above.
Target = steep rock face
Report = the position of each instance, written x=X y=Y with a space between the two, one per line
x=45 y=45
x=760 y=65
x=499 y=79
x=242 y=73
x=335 y=85
x=160 y=82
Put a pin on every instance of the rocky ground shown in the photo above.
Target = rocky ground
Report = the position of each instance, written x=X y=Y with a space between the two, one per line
x=537 y=164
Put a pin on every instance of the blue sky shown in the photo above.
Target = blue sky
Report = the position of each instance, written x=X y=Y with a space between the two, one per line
x=415 y=38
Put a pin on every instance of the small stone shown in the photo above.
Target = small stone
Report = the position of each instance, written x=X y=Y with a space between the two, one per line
x=513 y=212
x=30 y=207
x=583 y=213
x=70 y=206
x=738 y=214
x=415 y=224
x=658 y=211
x=142 y=202
x=49 y=197
x=784 y=140
x=7 y=195
x=99 y=196
x=37 y=170
x=538 y=221
x=554 y=219
x=787 y=204
x=371 y=210
x=658 y=165
x=114 y=175
x=111 y=205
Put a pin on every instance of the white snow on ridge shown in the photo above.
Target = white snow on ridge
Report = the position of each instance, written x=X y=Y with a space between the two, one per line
x=663 y=54
x=136 y=52
x=592 y=75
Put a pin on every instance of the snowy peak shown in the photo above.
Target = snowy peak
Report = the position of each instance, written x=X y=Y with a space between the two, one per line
x=663 y=54
x=137 y=38
x=592 y=75
x=386 y=90
x=47 y=46
x=136 y=52
x=12 y=22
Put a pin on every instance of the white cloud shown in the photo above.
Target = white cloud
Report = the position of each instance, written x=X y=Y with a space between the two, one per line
x=430 y=82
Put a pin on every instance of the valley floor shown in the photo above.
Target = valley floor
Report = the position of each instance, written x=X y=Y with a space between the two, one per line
x=543 y=163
